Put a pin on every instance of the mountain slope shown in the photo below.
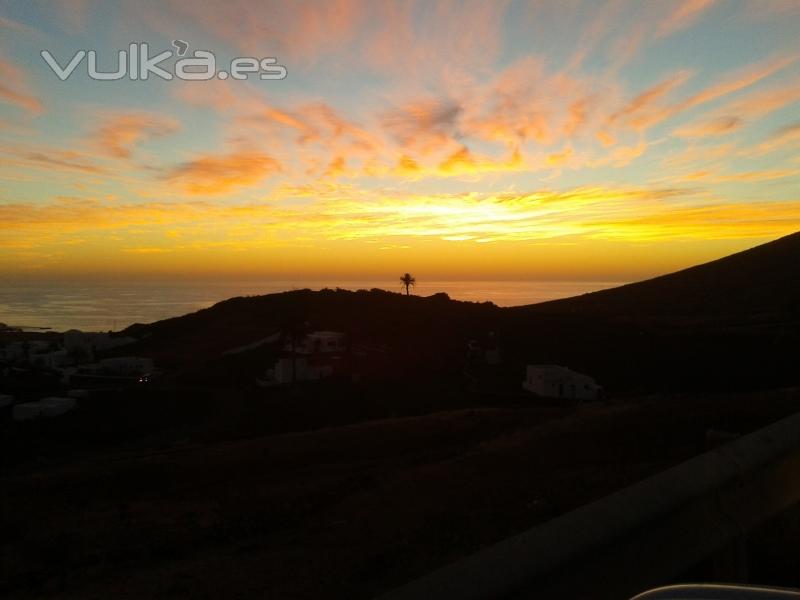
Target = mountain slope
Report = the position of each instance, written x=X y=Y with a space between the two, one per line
x=761 y=281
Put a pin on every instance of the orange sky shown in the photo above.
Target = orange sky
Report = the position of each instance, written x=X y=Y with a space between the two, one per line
x=483 y=140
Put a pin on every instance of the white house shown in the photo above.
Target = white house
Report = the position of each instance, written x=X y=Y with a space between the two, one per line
x=554 y=381
x=319 y=342
x=310 y=359
x=298 y=369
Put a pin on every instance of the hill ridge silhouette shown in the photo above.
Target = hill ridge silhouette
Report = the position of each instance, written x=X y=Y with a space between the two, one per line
x=731 y=322
x=765 y=277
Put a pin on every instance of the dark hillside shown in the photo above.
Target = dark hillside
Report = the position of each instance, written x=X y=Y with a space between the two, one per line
x=732 y=323
x=760 y=283
x=417 y=328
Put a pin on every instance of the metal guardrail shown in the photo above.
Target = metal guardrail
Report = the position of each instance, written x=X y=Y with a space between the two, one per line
x=719 y=592
x=639 y=537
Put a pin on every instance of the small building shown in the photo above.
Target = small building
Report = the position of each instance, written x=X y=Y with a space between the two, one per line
x=126 y=365
x=84 y=344
x=52 y=360
x=316 y=356
x=29 y=351
x=118 y=370
x=554 y=381
x=300 y=368
x=318 y=342
x=485 y=351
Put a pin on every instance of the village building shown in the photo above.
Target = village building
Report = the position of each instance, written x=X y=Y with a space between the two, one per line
x=318 y=355
x=84 y=344
x=318 y=342
x=127 y=365
x=554 y=381
x=486 y=351
x=301 y=368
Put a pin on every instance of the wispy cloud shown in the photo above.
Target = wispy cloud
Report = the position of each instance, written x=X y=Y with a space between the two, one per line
x=424 y=125
x=15 y=89
x=404 y=124
x=118 y=134
x=610 y=213
x=215 y=174
x=710 y=127
x=341 y=214
x=649 y=107
x=739 y=80
x=12 y=25
x=684 y=15
x=49 y=159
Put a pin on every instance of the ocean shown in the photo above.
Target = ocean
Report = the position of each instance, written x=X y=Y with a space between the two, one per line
x=103 y=306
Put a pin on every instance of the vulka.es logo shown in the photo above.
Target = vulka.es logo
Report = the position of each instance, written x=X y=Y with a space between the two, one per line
x=136 y=64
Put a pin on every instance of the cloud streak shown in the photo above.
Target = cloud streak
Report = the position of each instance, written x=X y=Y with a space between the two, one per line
x=120 y=133
x=343 y=214
x=211 y=174
x=15 y=89
x=684 y=15
x=403 y=125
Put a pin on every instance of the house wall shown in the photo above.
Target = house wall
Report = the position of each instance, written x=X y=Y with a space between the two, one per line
x=283 y=369
x=319 y=342
x=282 y=372
x=560 y=383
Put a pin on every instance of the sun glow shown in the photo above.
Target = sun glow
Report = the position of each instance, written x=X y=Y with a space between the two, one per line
x=549 y=145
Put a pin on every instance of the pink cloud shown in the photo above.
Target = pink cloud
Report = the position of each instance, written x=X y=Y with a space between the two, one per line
x=50 y=159
x=214 y=174
x=14 y=88
x=739 y=80
x=300 y=31
x=710 y=127
x=117 y=136
x=684 y=15
x=425 y=125
x=648 y=107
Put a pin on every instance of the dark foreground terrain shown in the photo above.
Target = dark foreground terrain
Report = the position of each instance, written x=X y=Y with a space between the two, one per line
x=201 y=484
x=337 y=512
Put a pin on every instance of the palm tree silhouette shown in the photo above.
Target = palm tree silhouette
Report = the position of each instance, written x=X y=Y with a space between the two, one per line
x=408 y=280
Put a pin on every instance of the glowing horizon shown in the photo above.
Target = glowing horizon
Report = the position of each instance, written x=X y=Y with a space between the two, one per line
x=474 y=140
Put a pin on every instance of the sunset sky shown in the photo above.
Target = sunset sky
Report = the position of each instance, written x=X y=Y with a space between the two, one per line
x=508 y=140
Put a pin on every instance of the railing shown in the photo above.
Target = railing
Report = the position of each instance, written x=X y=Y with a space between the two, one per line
x=642 y=536
x=718 y=592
